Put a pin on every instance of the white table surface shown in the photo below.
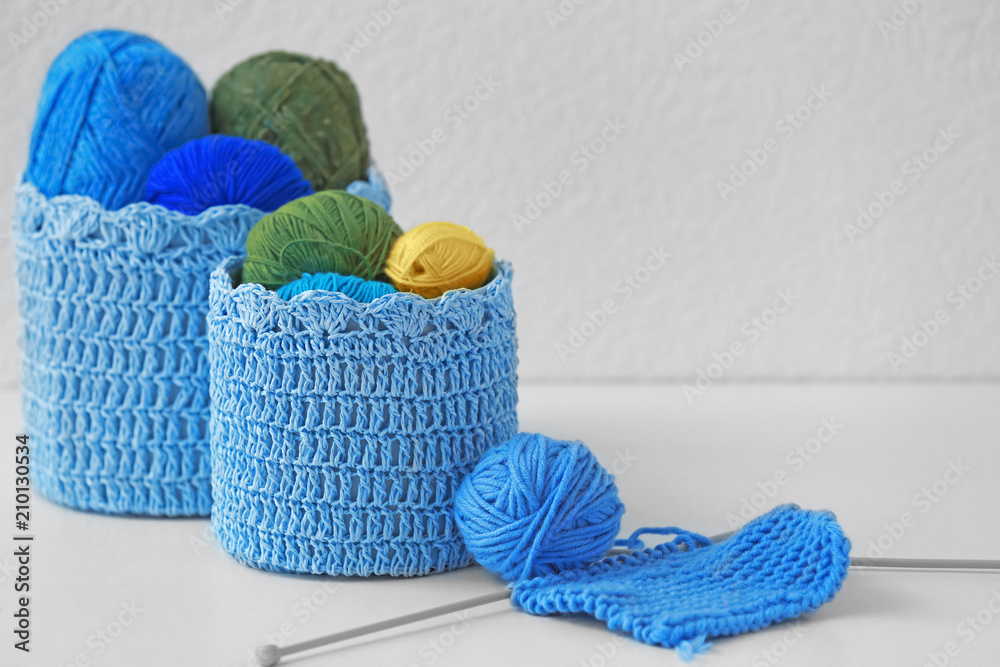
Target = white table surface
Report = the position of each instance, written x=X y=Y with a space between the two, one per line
x=694 y=464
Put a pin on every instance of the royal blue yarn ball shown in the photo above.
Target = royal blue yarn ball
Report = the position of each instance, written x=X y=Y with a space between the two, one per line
x=217 y=170
x=113 y=104
x=535 y=506
x=359 y=289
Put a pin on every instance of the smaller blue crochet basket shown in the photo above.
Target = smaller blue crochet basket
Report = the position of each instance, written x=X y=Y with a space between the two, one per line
x=115 y=364
x=341 y=430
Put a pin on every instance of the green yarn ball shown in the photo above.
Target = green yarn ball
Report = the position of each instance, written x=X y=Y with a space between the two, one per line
x=305 y=106
x=328 y=232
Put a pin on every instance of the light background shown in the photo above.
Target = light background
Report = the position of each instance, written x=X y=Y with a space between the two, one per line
x=656 y=184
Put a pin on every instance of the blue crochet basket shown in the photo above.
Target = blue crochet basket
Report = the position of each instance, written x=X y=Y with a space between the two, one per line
x=115 y=364
x=341 y=430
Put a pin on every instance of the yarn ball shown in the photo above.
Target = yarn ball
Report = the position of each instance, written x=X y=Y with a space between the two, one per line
x=435 y=257
x=375 y=188
x=359 y=289
x=217 y=170
x=112 y=105
x=536 y=506
x=328 y=232
x=307 y=107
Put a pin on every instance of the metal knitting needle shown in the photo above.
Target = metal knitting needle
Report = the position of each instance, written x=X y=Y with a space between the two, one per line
x=941 y=564
x=270 y=655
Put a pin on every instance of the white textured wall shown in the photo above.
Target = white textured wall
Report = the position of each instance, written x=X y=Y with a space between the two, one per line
x=884 y=94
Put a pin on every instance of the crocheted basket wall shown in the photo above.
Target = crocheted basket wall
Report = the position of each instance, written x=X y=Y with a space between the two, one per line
x=341 y=430
x=115 y=364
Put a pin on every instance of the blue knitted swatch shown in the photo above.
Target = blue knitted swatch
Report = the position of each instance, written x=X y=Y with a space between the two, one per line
x=778 y=566
x=115 y=369
x=341 y=430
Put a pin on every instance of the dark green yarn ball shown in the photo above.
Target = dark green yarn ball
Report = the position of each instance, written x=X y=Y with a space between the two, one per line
x=305 y=106
x=328 y=232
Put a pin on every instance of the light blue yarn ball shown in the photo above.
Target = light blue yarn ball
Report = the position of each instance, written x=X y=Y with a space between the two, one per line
x=359 y=289
x=112 y=105
x=374 y=189
x=535 y=506
x=217 y=170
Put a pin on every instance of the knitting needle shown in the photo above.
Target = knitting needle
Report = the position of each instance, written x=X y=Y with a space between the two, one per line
x=270 y=655
x=943 y=564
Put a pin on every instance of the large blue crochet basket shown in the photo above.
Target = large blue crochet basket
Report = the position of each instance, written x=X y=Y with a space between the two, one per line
x=341 y=430
x=115 y=363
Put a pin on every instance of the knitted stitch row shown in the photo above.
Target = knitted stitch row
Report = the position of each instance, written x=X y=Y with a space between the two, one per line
x=342 y=430
x=115 y=370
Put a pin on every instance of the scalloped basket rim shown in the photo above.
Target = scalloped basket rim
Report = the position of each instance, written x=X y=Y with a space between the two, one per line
x=222 y=276
x=28 y=189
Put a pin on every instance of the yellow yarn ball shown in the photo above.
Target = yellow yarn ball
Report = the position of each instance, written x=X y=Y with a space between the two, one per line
x=435 y=257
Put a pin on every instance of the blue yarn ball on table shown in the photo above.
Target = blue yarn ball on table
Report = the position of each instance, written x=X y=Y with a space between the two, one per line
x=535 y=506
x=113 y=104
x=218 y=170
x=359 y=289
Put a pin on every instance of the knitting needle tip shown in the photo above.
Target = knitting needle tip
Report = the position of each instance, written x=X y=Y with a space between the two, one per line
x=268 y=656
